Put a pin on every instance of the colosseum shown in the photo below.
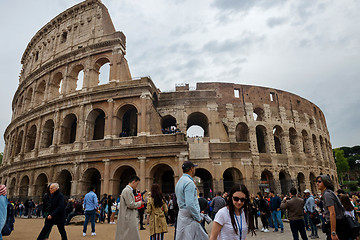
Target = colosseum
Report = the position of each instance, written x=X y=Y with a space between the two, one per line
x=69 y=127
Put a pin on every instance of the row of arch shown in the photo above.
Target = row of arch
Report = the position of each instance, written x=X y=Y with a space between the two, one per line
x=60 y=83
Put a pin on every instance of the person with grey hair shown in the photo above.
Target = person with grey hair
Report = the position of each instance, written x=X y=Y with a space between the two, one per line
x=56 y=213
x=335 y=227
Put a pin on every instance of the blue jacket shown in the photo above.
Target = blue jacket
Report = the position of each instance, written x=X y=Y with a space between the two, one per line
x=275 y=203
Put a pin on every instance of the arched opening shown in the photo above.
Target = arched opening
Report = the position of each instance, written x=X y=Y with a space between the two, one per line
x=260 y=139
x=20 y=104
x=259 y=114
x=30 y=139
x=68 y=129
x=301 y=182
x=40 y=92
x=285 y=182
x=92 y=177
x=80 y=80
x=103 y=68
x=205 y=182
x=311 y=123
x=293 y=140
x=163 y=175
x=19 y=142
x=47 y=134
x=24 y=187
x=232 y=176
x=11 y=190
x=40 y=186
x=76 y=78
x=278 y=139
x=306 y=142
x=28 y=98
x=95 y=125
x=121 y=179
x=267 y=181
x=195 y=131
x=313 y=182
x=128 y=120
x=322 y=148
x=168 y=124
x=316 y=150
x=242 y=132
x=198 y=119
x=56 y=86
x=64 y=180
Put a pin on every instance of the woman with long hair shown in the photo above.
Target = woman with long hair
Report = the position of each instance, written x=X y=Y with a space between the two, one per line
x=349 y=208
x=156 y=208
x=264 y=212
x=235 y=220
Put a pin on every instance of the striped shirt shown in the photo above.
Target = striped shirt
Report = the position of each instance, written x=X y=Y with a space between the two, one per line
x=2 y=190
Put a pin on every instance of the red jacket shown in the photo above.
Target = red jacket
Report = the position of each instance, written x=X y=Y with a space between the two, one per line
x=138 y=198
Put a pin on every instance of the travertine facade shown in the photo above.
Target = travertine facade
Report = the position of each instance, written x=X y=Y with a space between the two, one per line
x=82 y=133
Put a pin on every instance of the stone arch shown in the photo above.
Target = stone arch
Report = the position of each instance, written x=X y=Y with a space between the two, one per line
x=40 y=92
x=306 y=141
x=127 y=120
x=262 y=144
x=68 y=129
x=24 y=187
x=278 y=134
x=312 y=179
x=11 y=189
x=28 y=98
x=285 y=182
x=163 y=175
x=198 y=119
x=102 y=67
x=322 y=147
x=95 y=125
x=316 y=150
x=56 y=85
x=232 y=176
x=293 y=140
x=76 y=79
x=20 y=104
x=41 y=184
x=30 y=139
x=121 y=178
x=267 y=182
x=301 y=182
x=64 y=180
x=259 y=114
x=91 y=177
x=242 y=132
x=47 y=134
x=168 y=124
x=19 y=140
x=311 y=123
x=206 y=182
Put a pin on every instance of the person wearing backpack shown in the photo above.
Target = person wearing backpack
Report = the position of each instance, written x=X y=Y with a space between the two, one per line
x=3 y=207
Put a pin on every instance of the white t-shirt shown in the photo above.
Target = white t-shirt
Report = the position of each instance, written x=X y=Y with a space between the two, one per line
x=227 y=231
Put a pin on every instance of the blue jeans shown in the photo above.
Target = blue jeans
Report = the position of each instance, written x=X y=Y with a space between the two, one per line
x=313 y=227
x=3 y=212
x=276 y=215
x=89 y=214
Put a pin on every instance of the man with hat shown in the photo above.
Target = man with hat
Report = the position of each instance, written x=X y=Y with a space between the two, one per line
x=309 y=208
x=188 y=221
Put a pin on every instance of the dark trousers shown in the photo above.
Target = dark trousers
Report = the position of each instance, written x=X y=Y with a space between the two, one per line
x=264 y=220
x=47 y=228
x=343 y=231
x=141 y=216
x=298 y=226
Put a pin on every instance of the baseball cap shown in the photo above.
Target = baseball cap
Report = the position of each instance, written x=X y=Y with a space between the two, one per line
x=307 y=191
x=188 y=165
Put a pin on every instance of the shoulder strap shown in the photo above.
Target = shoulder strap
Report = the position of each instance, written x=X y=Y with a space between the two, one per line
x=337 y=200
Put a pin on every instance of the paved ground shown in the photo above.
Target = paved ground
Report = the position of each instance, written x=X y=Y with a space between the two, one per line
x=30 y=228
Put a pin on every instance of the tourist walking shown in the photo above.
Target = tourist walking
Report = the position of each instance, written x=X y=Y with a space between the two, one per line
x=217 y=203
x=295 y=207
x=56 y=213
x=157 y=208
x=127 y=223
x=254 y=201
x=46 y=207
x=3 y=207
x=309 y=209
x=275 y=202
x=264 y=212
x=90 y=208
x=336 y=227
x=103 y=203
x=188 y=221
x=110 y=202
x=203 y=204
x=234 y=220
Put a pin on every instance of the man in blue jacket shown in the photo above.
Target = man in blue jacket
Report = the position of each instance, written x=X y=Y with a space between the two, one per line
x=90 y=206
x=275 y=203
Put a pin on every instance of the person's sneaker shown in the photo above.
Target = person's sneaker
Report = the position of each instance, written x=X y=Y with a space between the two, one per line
x=142 y=228
x=84 y=234
x=282 y=230
x=93 y=234
x=266 y=230
x=262 y=229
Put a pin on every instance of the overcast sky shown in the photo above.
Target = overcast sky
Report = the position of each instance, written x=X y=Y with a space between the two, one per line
x=306 y=47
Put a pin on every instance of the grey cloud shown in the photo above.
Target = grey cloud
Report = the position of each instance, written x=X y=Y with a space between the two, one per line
x=244 y=5
x=274 y=21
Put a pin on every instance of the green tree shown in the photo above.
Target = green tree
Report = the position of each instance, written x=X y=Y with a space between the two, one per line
x=1 y=157
x=342 y=163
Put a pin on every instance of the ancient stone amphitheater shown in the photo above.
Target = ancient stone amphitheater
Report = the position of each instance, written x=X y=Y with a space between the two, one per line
x=69 y=127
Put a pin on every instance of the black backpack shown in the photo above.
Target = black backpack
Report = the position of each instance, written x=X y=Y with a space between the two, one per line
x=10 y=220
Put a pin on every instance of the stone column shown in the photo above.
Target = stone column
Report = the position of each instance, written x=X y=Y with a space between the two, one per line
x=142 y=173
x=109 y=119
x=143 y=123
x=75 y=181
x=57 y=129
x=106 y=178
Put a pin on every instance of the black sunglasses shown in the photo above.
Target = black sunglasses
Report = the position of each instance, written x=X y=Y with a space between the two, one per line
x=319 y=181
x=236 y=199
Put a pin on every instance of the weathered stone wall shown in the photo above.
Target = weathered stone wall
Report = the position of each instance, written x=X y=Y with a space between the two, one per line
x=92 y=134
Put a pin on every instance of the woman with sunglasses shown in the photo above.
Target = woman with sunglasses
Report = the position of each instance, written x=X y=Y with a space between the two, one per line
x=233 y=221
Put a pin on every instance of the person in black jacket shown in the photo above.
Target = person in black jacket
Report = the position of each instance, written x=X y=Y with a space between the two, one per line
x=56 y=213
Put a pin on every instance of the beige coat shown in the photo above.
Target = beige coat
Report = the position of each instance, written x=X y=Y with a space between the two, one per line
x=157 y=220
x=127 y=223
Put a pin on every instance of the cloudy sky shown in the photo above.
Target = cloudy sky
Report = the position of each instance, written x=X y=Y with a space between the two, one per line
x=309 y=48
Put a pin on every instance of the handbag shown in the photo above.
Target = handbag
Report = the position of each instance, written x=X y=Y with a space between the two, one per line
x=353 y=224
x=315 y=218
